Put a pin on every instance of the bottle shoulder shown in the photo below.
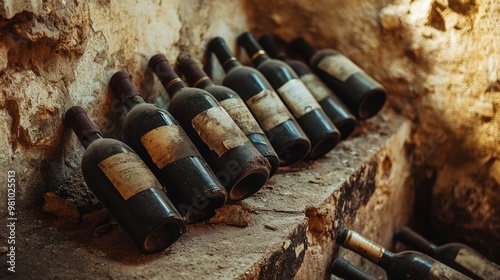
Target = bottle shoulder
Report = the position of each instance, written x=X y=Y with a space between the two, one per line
x=321 y=54
x=103 y=148
x=221 y=92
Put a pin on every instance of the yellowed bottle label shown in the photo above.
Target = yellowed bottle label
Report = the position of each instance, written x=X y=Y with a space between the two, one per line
x=339 y=67
x=318 y=89
x=439 y=271
x=218 y=130
x=167 y=144
x=128 y=173
x=298 y=98
x=477 y=264
x=268 y=109
x=241 y=115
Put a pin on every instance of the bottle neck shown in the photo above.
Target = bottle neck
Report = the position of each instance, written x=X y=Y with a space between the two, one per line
x=344 y=269
x=410 y=237
x=193 y=74
x=123 y=87
x=259 y=57
x=301 y=46
x=253 y=49
x=362 y=246
x=272 y=48
x=76 y=118
x=226 y=58
x=167 y=76
x=133 y=101
x=90 y=137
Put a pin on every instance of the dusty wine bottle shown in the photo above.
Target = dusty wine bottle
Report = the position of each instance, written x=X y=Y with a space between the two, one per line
x=287 y=138
x=409 y=265
x=236 y=108
x=334 y=108
x=126 y=187
x=322 y=133
x=166 y=149
x=241 y=169
x=345 y=270
x=456 y=255
x=364 y=96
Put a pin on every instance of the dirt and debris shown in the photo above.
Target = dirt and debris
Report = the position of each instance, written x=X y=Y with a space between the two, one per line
x=232 y=215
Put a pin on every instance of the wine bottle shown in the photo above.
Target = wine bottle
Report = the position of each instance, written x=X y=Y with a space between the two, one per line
x=345 y=270
x=322 y=133
x=287 y=138
x=241 y=169
x=456 y=255
x=409 y=265
x=166 y=149
x=235 y=107
x=364 y=96
x=334 y=108
x=126 y=187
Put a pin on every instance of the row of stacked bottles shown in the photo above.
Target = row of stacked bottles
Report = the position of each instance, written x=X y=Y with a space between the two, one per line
x=219 y=142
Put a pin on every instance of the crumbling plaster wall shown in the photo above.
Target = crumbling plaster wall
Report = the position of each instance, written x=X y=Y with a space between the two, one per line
x=439 y=60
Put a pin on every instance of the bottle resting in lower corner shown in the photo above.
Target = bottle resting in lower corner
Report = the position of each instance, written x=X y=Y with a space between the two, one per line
x=126 y=187
x=456 y=255
x=410 y=265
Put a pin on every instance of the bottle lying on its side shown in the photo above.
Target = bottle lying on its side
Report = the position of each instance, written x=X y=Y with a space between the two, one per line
x=164 y=146
x=364 y=96
x=126 y=187
x=334 y=108
x=408 y=265
x=234 y=106
x=456 y=255
x=320 y=130
x=241 y=169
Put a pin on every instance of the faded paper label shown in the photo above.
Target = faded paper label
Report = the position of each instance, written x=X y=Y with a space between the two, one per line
x=241 y=115
x=318 y=89
x=268 y=109
x=298 y=98
x=218 y=130
x=128 y=173
x=439 y=271
x=167 y=144
x=339 y=67
x=477 y=264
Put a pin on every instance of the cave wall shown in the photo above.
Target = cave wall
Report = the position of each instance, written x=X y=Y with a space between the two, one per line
x=439 y=60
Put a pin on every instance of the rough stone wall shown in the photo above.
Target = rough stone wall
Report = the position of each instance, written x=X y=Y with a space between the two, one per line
x=440 y=61
x=61 y=53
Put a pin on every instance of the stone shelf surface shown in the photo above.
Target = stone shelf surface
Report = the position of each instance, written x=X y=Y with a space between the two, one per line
x=290 y=235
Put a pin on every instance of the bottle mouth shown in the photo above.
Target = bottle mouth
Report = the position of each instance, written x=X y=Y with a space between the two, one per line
x=371 y=104
x=249 y=185
x=163 y=236
x=324 y=146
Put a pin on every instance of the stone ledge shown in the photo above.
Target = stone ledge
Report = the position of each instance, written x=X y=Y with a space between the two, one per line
x=294 y=218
